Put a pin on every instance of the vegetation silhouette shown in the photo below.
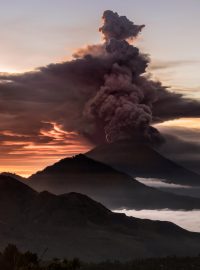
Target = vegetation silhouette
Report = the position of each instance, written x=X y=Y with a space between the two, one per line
x=13 y=259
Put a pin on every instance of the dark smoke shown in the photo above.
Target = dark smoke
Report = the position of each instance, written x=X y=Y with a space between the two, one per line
x=102 y=93
x=118 y=27
x=122 y=103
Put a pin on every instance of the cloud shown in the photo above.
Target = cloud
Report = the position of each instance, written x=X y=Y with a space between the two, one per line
x=161 y=65
x=158 y=183
x=188 y=220
x=182 y=145
x=171 y=105
x=170 y=187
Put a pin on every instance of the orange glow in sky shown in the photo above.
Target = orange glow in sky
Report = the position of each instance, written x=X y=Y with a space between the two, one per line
x=25 y=157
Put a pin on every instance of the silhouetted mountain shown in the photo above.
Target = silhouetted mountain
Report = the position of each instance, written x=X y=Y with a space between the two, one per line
x=13 y=196
x=141 y=160
x=74 y=225
x=105 y=184
x=14 y=175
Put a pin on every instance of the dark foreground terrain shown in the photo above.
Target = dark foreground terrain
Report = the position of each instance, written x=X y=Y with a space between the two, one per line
x=12 y=259
x=75 y=225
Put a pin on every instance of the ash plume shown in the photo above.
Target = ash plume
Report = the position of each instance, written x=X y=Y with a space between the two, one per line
x=104 y=93
x=118 y=27
x=121 y=103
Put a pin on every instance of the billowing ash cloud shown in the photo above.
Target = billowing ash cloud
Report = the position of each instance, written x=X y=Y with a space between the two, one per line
x=118 y=27
x=101 y=94
x=120 y=103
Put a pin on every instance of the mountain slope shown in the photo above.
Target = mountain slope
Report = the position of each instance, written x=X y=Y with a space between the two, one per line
x=140 y=160
x=105 y=184
x=13 y=196
x=14 y=175
x=73 y=225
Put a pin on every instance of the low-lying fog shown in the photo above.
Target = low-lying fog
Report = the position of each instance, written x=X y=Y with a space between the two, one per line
x=178 y=189
x=189 y=220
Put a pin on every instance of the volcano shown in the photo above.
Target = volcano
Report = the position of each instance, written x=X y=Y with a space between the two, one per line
x=141 y=160
x=105 y=184
x=74 y=225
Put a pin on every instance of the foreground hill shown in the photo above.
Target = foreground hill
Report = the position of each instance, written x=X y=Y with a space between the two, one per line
x=140 y=160
x=105 y=184
x=74 y=225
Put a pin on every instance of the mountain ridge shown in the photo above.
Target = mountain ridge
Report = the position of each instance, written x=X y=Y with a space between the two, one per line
x=141 y=160
x=103 y=183
x=75 y=225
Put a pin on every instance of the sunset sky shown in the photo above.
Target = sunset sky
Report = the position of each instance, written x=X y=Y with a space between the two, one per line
x=37 y=33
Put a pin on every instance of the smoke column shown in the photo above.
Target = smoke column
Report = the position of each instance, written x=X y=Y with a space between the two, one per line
x=122 y=104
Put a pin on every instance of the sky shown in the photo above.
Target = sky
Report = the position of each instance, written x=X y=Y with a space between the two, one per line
x=37 y=33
